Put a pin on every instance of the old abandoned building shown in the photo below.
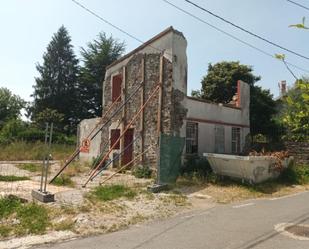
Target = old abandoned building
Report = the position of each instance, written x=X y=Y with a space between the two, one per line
x=131 y=80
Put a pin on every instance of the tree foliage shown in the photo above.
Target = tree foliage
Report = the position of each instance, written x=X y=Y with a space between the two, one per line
x=295 y=111
x=220 y=84
x=57 y=87
x=10 y=105
x=49 y=116
x=96 y=57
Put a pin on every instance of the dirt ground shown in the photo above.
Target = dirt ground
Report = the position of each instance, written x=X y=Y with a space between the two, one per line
x=76 y=215
x=73 y=214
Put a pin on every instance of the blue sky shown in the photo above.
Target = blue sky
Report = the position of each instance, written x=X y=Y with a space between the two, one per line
x=27 y=27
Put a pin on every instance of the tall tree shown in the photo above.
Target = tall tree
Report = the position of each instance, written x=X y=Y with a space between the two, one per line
x=10 y=105
x=295 y=111
x=96 y=57
x=220 y=84
x=57 y=86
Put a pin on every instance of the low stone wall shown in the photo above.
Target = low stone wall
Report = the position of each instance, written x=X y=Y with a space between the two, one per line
x=300 y=151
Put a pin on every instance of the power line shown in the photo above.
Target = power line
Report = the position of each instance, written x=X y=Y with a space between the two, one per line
x=247 y=31
x=298 y=4
x=232 y=36
x=113 y=25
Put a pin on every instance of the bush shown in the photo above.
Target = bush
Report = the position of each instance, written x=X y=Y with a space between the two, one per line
x=34 y=134
x=108 y=193
x=18 y=130
x=10 y=130
x=63 y=180
x=196 y=165
x=298 y=174
x=142 y=171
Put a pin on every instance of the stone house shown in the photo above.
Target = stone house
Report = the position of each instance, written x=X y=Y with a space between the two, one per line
x=206 y=126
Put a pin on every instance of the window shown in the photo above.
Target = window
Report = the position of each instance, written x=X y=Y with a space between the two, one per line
x=116 y=87
x=235 y=140
x=191 y=138
x=219 y=139
x=115 y=134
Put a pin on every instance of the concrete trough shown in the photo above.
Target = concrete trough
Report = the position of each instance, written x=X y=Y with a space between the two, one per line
x=253 y=169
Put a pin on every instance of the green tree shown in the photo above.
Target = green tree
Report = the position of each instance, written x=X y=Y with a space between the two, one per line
x=295 y=111
x=57 y=86
x=263 y=109
x=96 y=57
x=10 y=106
x=220 y=84
x=49 y=116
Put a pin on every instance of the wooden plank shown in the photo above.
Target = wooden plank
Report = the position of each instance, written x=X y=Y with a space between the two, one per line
x=159 y=125
x=123 y=113
x=143 y=112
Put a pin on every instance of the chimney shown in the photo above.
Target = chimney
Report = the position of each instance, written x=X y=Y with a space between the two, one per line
x=282 y=87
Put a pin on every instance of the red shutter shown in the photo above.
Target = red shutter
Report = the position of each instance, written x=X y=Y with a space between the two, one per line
x=114 y=136
x=116 y=87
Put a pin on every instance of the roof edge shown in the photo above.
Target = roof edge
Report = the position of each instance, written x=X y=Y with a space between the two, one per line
x=145 y=44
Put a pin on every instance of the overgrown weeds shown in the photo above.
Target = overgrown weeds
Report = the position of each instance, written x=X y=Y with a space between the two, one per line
x=225 y=190
x=33 y=151
x=63 y=180
x=33 y=218
x=76 y=168
x=142 y=171
x=298 y=174
x=22 y=218
x=13 y=178
x=30 y=167
x=111 y=192
x=196 y=167
x=67 y=224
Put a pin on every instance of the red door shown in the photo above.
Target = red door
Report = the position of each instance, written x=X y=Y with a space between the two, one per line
x=128 y=153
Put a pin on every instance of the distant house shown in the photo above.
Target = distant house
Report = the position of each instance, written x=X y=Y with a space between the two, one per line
x=206 y=126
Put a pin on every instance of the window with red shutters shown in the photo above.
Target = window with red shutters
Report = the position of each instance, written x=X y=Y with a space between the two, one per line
x=115 y=133
x=116 y=87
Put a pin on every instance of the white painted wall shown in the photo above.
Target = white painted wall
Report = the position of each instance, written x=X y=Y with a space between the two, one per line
x=207 y=115
x=85 y=127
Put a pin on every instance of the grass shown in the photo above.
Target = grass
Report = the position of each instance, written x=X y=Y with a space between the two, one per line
x=8 y=205
x=5 y=231
x=111 y=192
x=33 y=151
x=63 y=180
x=33 y=218
x=77 y=168
x=67 y=224
x=228 y=190
x=177 y=199
x=30 y=167
x=12 y=178
x=142 y=171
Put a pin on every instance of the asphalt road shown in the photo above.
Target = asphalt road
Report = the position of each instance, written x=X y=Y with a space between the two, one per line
x=243 y=225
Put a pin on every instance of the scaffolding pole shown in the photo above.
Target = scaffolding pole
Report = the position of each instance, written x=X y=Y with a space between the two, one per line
x=77 y=151
x=126 y=165
x=123 y=132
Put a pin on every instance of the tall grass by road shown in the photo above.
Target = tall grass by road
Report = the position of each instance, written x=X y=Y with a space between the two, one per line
x=33 y=151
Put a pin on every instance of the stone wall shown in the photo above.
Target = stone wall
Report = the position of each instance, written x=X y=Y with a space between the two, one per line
x=172 y=115
x=300 y=151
